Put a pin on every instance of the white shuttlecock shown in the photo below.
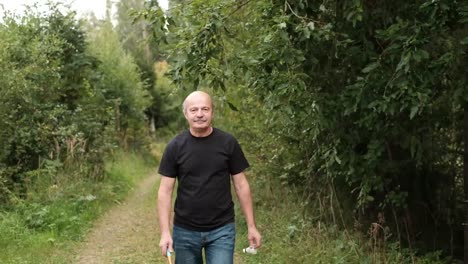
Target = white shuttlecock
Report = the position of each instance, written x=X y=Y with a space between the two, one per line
x=250 y=250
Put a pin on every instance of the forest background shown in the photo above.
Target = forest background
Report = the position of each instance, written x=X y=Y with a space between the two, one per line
x=353 y=114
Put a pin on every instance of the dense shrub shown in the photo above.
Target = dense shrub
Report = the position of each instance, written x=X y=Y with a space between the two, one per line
x=62 y=107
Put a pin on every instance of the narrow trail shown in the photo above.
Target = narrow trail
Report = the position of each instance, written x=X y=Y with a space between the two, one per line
x=127 y=233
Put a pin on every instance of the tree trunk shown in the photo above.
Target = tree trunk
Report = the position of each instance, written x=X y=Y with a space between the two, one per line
x=152 y=125
x=465 y=178
x=148 y=55
x=108 y=10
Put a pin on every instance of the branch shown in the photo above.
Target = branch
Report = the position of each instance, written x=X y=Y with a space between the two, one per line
x=288 y=6
x=239 y=7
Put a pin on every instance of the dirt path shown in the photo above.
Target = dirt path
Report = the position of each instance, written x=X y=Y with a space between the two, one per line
x=128 y=233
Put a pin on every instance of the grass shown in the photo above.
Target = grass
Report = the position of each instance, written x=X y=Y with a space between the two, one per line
x=43 y=228
x=292 y=233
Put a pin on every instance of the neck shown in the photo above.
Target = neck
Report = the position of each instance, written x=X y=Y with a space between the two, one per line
x=201 y=132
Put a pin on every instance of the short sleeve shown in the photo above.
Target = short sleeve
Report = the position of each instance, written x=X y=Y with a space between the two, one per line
x=168 y=164
x=237 y=162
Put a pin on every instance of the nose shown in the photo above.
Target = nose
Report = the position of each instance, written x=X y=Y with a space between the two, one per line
x=199 y=112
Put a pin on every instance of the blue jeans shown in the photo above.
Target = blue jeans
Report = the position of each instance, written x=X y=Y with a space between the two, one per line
x=218 y=245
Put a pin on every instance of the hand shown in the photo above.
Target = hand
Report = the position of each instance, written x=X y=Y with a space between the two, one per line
x=165 y=243
x=255 y=239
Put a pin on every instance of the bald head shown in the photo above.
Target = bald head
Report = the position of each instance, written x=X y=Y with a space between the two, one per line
x=195 y=97
x=198 y=110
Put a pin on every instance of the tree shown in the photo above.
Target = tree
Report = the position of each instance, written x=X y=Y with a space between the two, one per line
x=121 y=83
x=63 y=103
x=360 y=97
x=44 y=88
x=143 y=43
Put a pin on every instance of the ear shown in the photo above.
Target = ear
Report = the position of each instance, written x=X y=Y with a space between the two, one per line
x=185 y=111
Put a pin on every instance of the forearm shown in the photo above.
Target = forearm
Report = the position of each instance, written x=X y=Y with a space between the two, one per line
x=166 y=188
x=245 y=199
x=164 y=210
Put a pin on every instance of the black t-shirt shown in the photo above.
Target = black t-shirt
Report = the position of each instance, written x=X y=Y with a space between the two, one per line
x=203 y=166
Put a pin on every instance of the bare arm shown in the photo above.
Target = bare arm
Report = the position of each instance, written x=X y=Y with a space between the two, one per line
x=166 y=188
x=242 y=187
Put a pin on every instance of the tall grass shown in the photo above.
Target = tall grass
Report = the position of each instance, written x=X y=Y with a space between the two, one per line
x=58 y=212
x=294 y=233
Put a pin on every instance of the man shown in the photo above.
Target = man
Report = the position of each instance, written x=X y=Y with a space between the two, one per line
x=203 y=159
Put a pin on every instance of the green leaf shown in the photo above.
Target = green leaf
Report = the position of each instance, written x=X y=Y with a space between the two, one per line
x=464 y=41
x=306 y=33
x=196 y=82
x=414 y=110
x=337 y=159
x=404 y=62
x=370 y=67
x=233 y=107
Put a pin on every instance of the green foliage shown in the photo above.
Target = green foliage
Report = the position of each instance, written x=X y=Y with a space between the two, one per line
x=295 y=234
x=64 y=103
x=361 y=97
x=169 y=117
x=139 y=39
x=135 y=36
x=42 y=229
x=120 y=82
x=40 y=93
x=70 y=96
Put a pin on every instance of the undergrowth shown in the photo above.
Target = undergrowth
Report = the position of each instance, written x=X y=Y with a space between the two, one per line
x=293 y=233
x=58 y=212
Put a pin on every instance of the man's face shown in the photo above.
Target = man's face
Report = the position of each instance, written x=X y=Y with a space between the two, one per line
x=199 y=112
